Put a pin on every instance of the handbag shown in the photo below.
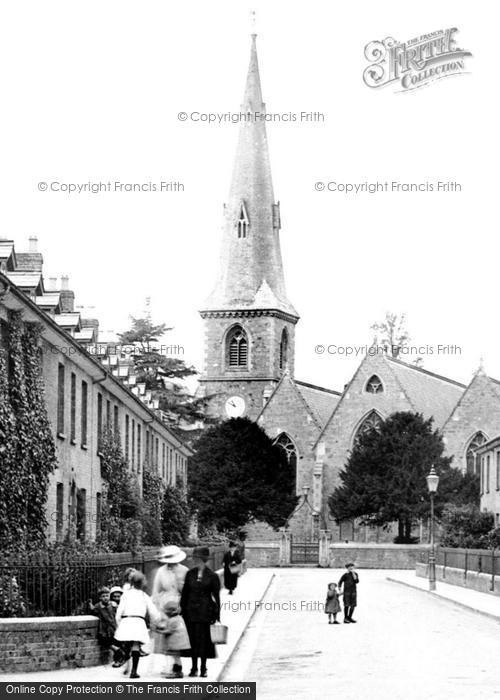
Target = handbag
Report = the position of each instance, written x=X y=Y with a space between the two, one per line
x=235 y=568
x=218 y=633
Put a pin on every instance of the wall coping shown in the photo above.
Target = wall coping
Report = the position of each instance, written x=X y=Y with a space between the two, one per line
x=269 y=544
x=40 y=624
x=374 y=545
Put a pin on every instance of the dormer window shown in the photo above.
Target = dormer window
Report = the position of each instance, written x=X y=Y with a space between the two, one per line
x=243 y=222
x=374 y=385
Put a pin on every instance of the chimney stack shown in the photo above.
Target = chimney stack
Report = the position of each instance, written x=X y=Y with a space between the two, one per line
x=53 y=283
x=66 y=297
x=65 y=282
x=33 y=244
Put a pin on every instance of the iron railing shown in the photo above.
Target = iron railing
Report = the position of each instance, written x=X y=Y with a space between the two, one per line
x=470 y=561
x=61 y=584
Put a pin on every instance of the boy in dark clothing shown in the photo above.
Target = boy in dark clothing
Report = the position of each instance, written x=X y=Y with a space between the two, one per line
x=105 y=611
x=347 y=586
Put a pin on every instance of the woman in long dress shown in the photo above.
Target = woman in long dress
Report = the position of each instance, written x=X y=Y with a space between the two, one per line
x=200 y=607
x=167 y=587
x=232 y=567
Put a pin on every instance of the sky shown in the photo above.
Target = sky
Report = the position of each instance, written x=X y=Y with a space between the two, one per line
x=92 y=92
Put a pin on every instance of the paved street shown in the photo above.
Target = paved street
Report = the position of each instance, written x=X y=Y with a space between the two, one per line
x=406 y=644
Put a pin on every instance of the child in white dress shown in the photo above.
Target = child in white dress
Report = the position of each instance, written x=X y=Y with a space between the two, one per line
x=132 y=630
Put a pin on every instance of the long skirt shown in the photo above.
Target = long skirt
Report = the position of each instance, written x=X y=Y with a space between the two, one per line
x=199 y=638
x=230 y=580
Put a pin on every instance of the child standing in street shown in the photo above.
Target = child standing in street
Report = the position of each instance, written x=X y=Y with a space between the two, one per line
x=175 y=639
x=332 y=605
x=134 y=606
x=105 y=611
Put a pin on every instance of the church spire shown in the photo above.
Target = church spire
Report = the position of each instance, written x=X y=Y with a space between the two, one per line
x=251 y=269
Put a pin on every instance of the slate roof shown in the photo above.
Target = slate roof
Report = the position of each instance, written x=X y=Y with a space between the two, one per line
x=430 y=394
x=321 y=401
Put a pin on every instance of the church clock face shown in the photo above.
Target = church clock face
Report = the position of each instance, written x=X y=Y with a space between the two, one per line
x=235 y=407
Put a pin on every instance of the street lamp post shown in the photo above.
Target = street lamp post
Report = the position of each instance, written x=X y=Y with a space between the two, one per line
x=432 y=485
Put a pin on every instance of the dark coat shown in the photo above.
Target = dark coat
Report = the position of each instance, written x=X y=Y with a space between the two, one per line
x=230 y=579
x=200 y=600
x=107 y=622
x=349 y=581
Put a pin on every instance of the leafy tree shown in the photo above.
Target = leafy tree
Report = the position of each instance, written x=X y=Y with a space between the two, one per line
x=163 y=375
x=237 y=474
x=152 y=502
x=392 y=334
x=384 y=478
x=175 y=516
x=121 y=528
x=468 y=527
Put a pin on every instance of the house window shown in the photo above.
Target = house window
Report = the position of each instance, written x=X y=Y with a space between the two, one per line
x=81 y=514
x=243 y=222
x=374 y=385
x=237 y=347
x=99 y=421
x=157 y=452
x=59 y=510
x=108 y=415
x=98 y=513
x=72 y=426
x=133 y=443
x=284 y=349
x=60 y=399
x=471 y=458
x=481 y=475
x=116 y=421
x=163 y=460
x=138 y=447
x=84 y=413
x=498 y=472
x=487 y=473
x=127 y=436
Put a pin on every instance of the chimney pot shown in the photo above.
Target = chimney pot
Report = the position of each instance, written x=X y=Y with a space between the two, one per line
x=65 y=282
x=53 y=283
x=33 y=244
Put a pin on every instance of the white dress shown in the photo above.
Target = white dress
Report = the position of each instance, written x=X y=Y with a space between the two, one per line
x=131 y=616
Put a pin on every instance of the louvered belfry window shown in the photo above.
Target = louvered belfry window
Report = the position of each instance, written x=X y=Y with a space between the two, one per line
x=237 y=347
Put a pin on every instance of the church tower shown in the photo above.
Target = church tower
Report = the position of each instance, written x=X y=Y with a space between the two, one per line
x=249 y=322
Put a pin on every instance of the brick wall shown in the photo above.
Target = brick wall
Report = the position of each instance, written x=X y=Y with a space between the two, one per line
x=46 y=644
x=484 y=583
x=262 y=554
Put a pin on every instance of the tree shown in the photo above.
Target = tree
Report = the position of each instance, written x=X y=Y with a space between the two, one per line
x=164 y=376
x=152 y=503
x=121 y=528
x=384 y=478
x=392 y=334
x=237 y=474
x=468 y=527
x=175 y=516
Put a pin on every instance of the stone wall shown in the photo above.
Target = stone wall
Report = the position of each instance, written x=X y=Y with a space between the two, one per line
x=484 y=583
x=371 y=556
x=49 y=643
x=262 y=554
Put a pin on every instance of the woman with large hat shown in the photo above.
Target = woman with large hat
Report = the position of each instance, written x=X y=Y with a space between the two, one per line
x=167 y=587
x=200 y=607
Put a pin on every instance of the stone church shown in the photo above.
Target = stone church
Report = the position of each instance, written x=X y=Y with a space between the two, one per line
x=249 y=355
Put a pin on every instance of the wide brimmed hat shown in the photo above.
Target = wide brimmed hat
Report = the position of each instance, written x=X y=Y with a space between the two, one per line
x=202 y=553
x=115 y=589
x=171 y=554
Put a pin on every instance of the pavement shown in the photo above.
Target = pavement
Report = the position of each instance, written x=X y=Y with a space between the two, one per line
x=405 y=645
x=236 y=612
x=483 y=603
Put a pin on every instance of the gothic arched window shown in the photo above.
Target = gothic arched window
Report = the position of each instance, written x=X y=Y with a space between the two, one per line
x=285 y=443
x=284 y=349
x=373 y=421
x=472 y=459
x=242 y=224
x=374 y=385
x=237 y=347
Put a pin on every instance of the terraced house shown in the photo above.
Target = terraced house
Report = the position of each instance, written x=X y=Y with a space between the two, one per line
x=85 y=393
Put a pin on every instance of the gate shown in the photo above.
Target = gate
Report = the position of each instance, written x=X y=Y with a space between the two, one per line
x=304 y=553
